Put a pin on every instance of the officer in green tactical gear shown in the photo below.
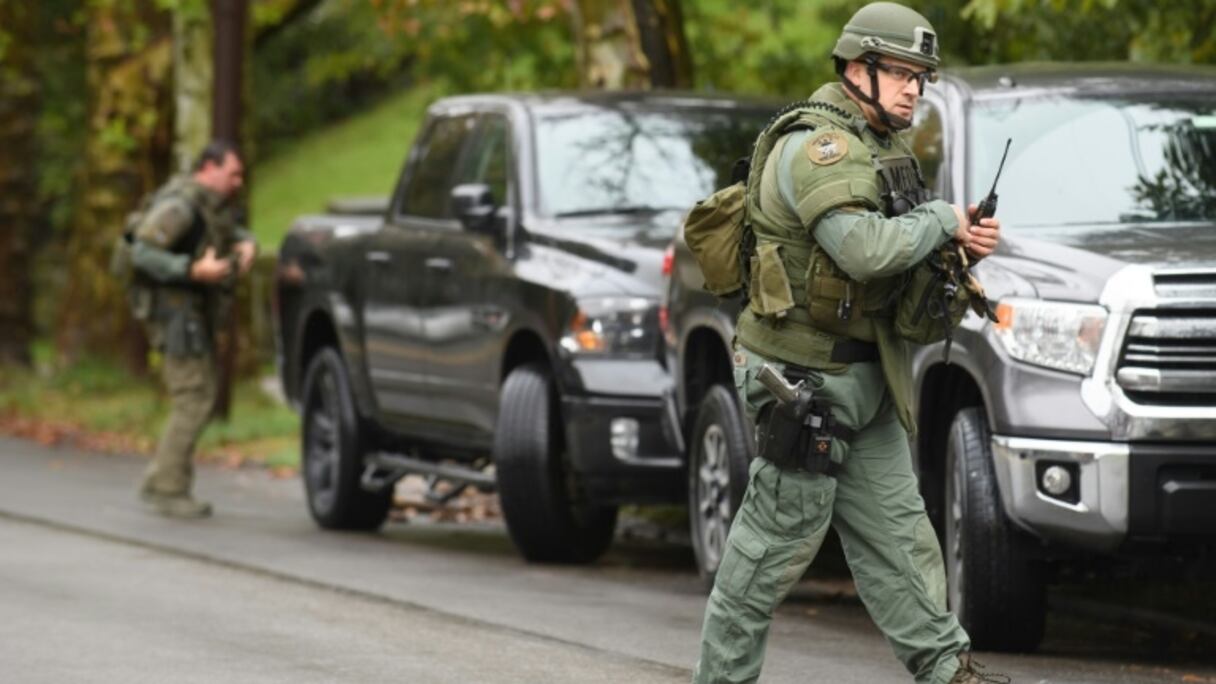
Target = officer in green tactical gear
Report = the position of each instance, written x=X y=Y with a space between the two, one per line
x=187 y=253
x=843 y=225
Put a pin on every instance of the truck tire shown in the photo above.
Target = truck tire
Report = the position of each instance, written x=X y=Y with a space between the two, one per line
x=539 y=496
x=717 y=476
x=332 y=462
x=997 y=590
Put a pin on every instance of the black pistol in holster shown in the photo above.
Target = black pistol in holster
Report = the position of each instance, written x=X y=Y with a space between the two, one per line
x=796 y=431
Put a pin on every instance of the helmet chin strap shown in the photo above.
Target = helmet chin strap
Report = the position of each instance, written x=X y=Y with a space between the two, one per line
x=891 y=121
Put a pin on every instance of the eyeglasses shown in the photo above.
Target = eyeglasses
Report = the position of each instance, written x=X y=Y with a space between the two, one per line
x=906 y=75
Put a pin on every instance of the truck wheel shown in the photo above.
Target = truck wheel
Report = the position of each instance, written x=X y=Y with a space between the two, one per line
x=717 y=476
x=544 y=512
x=333 y=451
x=996 y=589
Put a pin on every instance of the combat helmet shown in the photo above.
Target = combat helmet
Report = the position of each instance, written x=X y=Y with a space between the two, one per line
x=886 y=28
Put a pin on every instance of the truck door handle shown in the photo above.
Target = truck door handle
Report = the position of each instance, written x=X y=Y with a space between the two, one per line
x=379 y=257
x=438 y=264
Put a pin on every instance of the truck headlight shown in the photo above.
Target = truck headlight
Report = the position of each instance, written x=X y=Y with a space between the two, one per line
x=614 y=326
x=1055 y=335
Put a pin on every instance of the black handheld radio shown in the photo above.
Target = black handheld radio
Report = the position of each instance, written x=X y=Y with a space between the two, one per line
x=987 y=207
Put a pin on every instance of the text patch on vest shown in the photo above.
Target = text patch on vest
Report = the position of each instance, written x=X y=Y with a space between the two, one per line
x=903 y=189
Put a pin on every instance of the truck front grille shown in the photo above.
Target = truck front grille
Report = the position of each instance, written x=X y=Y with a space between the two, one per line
x=1169 y=355
x=1186 y=285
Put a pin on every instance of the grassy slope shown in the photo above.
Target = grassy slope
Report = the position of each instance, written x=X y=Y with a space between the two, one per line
x=359 y=156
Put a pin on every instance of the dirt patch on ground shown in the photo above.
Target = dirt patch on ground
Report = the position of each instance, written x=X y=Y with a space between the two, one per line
x=58 y=433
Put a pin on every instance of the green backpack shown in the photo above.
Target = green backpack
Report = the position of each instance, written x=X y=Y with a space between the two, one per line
x=715 y=231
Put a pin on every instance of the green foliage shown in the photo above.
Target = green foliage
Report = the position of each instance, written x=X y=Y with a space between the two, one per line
x=61 y=129
x=189 y=9
x=486 y=45
x=255 y=417
x=116 y=137
x=783 y=49
x=332 y=62
x=269 y=12
x=1137 y=30
x=343 y=56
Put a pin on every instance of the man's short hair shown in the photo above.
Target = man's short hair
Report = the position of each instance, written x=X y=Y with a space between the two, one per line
x=215 y=152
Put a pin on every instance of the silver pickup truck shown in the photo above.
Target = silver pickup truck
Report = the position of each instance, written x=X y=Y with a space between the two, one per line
x=1083 y=423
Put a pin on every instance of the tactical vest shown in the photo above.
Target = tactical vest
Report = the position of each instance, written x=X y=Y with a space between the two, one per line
x=801 y=303
x=186 y=315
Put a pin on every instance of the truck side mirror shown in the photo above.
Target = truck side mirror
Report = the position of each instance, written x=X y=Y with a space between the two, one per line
x=473 y=204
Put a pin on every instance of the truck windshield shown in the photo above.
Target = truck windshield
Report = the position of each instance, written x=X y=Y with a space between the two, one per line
x=1097 y=160
x=626 y=161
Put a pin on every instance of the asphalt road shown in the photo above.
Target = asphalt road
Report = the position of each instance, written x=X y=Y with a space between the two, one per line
x=91 y=610
x=94 y=589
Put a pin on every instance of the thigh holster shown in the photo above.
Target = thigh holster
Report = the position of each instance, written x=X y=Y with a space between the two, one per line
x=796 y=431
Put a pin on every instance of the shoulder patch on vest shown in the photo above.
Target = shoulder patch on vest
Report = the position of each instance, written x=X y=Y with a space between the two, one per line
x=826 y=148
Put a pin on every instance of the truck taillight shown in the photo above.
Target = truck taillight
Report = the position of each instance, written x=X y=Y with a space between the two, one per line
x=669 y=257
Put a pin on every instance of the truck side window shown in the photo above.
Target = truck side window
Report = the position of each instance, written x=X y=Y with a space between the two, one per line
x=926 y=139
x=488 y=162
x=426 y=192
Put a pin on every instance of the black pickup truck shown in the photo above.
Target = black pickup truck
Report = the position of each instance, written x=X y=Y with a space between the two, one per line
x=497 y=326
x=1082 y=425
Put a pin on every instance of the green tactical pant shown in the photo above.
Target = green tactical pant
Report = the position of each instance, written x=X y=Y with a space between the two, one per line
x=877 y=511
x=191 y=383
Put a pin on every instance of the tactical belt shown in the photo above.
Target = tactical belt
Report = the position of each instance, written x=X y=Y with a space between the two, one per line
x=813 y=464
x=846 y=350
x=853 y=351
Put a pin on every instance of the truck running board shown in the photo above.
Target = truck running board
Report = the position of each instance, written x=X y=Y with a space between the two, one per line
x=382 y=470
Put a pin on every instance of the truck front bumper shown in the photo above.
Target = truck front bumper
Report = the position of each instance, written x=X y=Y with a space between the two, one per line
x=1096 y=520
x=622 y=449
x=1124 y=496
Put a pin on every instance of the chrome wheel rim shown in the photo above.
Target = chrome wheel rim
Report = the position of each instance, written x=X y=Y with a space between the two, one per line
x=713 y=495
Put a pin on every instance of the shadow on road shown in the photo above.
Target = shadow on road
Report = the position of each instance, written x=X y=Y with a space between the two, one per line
x=1153 y=626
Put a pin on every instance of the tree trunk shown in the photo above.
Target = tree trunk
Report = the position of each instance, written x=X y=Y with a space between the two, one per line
x=661 y=32
x=232 y=49
x=631 y=44
x=127 y=154
x=193 y=78
x=18 y=199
